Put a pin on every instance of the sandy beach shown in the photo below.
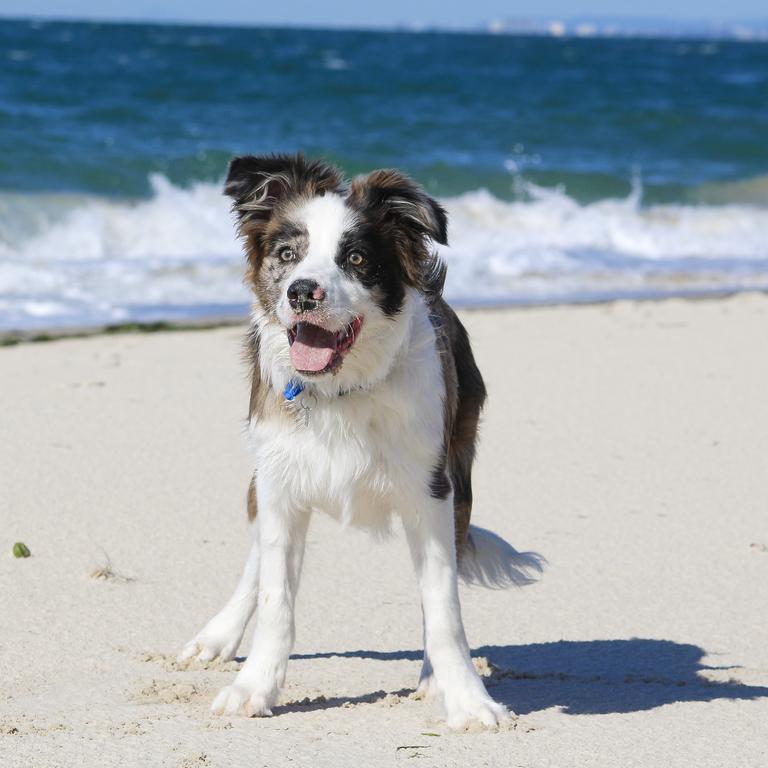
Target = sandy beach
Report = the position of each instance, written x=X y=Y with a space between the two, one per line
x=625 y=442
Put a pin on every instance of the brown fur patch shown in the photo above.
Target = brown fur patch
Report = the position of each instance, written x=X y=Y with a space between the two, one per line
x=464 y=398
x=401 y=207
x=252 y=505
x=262 y=186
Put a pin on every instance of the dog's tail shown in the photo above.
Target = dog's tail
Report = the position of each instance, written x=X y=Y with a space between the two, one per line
x=489 y=561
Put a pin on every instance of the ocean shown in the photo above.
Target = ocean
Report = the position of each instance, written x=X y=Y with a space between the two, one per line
x=572 y=169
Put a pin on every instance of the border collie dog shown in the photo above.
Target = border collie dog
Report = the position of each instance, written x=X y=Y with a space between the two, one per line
x=364 y=404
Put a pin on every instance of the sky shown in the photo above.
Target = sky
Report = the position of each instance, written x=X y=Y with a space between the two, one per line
x=357 y=13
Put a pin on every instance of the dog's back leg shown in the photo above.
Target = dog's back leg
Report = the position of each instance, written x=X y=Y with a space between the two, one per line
x=464 y=399
x=461 y=455
x=221 y=636
x=470 y=398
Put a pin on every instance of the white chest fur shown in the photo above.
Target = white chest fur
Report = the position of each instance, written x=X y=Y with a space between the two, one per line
x=362 y=455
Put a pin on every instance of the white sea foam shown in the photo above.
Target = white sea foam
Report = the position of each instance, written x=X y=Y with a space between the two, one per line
x=83 y=260
x=551 y=247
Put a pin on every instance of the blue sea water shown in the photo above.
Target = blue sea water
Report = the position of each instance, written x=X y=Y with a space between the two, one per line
x=572 y=169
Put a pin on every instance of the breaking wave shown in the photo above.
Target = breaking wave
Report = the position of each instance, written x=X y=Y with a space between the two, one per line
x=81 y=260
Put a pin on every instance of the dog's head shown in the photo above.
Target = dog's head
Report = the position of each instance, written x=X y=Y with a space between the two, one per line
x=334 y=267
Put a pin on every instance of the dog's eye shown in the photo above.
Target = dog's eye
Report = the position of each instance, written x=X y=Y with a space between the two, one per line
x=355 y=258
x=287 y=254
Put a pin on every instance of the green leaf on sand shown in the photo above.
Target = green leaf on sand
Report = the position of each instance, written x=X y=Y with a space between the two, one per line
x=20 y=549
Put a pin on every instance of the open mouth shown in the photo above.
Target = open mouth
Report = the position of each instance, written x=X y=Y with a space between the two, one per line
x=316 y=350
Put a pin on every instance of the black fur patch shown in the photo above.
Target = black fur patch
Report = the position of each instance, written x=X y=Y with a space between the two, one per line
x=439 y=485
x=380 y=271
x=409 y=220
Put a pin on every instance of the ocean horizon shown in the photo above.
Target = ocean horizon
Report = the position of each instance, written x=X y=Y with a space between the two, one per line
x=573 y=169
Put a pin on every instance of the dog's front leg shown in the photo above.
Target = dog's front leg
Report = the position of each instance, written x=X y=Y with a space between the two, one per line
x=282 y=533
x=427 y=687
x=431 y=539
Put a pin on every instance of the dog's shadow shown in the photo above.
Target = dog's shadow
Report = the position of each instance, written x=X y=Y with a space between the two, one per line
x=580 y=677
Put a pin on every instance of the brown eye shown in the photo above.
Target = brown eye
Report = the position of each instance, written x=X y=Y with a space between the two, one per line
x=355 y=259
x=287 y=254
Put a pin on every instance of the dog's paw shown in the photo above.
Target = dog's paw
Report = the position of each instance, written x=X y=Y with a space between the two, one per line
x=463 y=711
x=219 y=639
x=427 y=688
x=239 y=700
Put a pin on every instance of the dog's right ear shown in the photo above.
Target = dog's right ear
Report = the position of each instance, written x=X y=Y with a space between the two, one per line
x=258 y=185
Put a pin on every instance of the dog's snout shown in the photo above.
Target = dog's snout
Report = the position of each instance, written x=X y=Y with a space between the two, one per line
x=305 y=295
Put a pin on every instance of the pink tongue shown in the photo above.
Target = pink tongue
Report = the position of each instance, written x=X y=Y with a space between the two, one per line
x=313 y=348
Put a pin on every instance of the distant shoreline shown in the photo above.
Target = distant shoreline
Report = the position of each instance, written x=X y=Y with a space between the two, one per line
x=11 y=338
x=734 y=30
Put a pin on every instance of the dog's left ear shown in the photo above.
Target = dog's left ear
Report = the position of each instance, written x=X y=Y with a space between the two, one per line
x=401 y=200
x=414 y=219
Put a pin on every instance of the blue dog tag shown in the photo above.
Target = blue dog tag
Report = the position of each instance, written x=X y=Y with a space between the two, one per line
x=293 y=388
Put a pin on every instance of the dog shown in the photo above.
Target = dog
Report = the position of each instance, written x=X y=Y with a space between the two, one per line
x=365 y=401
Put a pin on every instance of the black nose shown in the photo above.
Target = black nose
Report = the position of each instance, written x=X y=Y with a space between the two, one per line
x=305 y=295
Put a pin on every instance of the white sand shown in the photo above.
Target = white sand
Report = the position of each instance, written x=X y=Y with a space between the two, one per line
x=628 y=443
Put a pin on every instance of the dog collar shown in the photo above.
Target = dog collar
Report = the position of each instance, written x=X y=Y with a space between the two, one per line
x=293 y=389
